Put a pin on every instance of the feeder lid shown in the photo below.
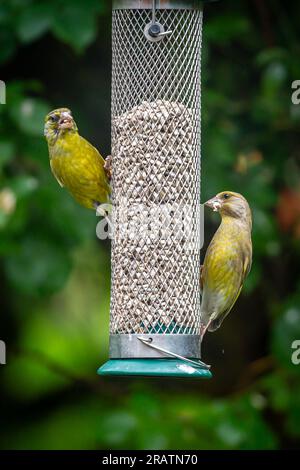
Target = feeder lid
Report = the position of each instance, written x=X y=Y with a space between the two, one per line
x=160 y=4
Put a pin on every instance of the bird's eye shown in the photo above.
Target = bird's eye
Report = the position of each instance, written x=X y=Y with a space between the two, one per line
x=226 y=196
x=53 y=118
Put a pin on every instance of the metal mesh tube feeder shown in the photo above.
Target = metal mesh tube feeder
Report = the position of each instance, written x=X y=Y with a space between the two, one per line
x=156 y=116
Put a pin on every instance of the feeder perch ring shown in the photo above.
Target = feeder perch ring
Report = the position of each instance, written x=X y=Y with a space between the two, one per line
x=172 y=354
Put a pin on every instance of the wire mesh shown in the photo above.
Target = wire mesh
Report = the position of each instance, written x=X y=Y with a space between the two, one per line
x=156 y=174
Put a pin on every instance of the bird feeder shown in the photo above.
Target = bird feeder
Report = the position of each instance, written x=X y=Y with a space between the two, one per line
x=156 y=117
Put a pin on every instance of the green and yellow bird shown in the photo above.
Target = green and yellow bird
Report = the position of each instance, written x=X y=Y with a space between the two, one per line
x=75 y=163
x=228 y=259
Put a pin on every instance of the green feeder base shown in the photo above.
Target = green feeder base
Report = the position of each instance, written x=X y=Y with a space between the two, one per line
x=154 y=368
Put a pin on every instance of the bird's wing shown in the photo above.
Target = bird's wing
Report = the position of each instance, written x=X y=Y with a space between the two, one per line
x=244 y=272
x=246 y=261
x=215 y=324
x=92 y=148
x=247 y=265
x=57 y=178
x=96 y=163
x=201 y=279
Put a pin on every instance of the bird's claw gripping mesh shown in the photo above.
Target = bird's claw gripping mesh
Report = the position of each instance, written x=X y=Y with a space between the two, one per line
x=156 y=174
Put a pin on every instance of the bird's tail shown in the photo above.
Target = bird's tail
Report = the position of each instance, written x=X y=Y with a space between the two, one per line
x=212 y=320
x=215 y=324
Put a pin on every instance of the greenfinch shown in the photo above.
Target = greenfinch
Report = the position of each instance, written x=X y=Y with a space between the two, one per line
x=75 y=163
x=227 y=261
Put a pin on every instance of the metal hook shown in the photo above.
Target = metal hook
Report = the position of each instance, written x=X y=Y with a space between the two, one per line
x=165 y=33
x=153 y=11
x=148 y=342
x=154 y=31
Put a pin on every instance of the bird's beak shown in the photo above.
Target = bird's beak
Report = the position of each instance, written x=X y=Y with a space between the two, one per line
x=66 y=121
x=214 y=203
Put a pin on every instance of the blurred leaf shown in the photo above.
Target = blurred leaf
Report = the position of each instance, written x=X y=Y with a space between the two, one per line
x=39 y=267
x=293 y=417
x=65 y=26
x=225 y=28
x=288 y=211
x=118 y=428
x=285 y=331
x=71 y=222
x=279 y=391
x=4 y=13
x=264 y=233
x=24 y=185
x=271 y=55
x=35 y=20
x=29 y=114
x=242 y=427
x=8 y=44
x=274 y=75
x=254 y=278
x=7 y=151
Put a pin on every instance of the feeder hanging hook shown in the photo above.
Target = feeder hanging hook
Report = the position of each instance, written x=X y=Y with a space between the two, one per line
x=155 y=31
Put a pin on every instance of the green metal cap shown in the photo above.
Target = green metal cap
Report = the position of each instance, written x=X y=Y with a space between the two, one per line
x=153 y=368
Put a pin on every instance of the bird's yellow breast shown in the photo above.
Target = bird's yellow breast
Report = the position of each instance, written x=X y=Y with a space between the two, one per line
x=79 y=167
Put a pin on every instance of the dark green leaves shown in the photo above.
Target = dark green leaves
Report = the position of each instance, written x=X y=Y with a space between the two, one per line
x=73 y=22
x=35 y=20
x=65 y=26
x=38 y=267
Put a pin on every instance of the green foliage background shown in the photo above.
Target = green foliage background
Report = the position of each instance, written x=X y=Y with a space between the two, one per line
x=55 y=275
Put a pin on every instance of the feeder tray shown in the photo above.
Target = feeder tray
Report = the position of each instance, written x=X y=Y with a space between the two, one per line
x=155 y=299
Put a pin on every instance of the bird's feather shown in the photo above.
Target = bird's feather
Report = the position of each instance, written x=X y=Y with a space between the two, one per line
x=55 y=175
